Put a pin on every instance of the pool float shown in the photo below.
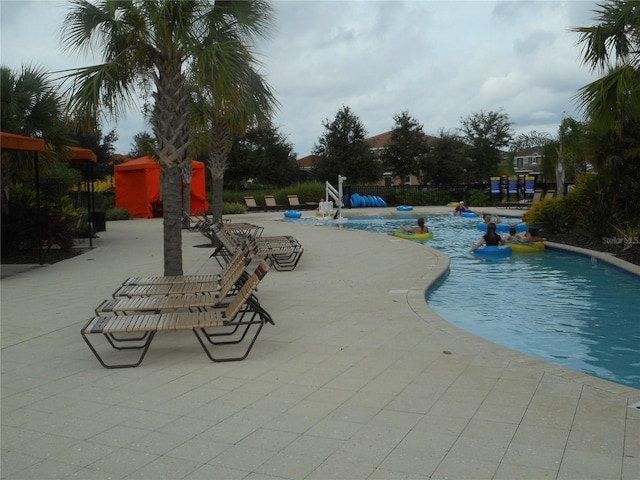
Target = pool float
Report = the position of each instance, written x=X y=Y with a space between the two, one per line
x=414 y=236
x=453 y=204
x=292 y=214
x=532 y=247
x=491 y=251
x=469 y=214
x=504 y=227
x=404 y=208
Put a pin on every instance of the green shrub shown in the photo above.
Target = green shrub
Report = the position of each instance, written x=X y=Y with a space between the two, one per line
x=550 y=214
x=435 y=197
x=478 y=198
x=118 y=213
x=233 y=207
x=108 y=202
x=306 y=192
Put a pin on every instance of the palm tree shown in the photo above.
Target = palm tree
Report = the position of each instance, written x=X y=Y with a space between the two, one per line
x=30 y=105
x=161 y=45
x=612 y=46
x=219 y=118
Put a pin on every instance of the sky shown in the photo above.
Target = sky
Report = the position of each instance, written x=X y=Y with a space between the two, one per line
x=440 y=61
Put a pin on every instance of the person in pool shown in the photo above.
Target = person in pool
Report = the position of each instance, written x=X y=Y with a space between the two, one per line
x=490 y=239
x=461 y=208
x=421 y=228
x=530 y=236
x=512 y=235
x=487 y=218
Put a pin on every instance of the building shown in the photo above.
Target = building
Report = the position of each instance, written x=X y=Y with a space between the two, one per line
x=528 y=161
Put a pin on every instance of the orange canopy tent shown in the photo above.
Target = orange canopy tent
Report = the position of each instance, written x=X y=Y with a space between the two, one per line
x=138 y=187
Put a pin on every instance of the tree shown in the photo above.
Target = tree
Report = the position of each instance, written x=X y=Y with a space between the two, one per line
x=407 y=150
x=447 y=160
x=342 y=150
x=268 y=155
x=143 y=145
x=219 y=116
x=102 y=145
x=30 y=105
x=612 y=103
x=164 y=45
x=612 y=47
x=486 y=133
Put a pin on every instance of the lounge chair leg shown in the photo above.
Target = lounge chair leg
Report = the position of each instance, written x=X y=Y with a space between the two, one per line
x=144 y=348
x=207 y=350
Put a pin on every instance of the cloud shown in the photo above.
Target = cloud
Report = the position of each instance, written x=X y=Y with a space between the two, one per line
x=440 y=61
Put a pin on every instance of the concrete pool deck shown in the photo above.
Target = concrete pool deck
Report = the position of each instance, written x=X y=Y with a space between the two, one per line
x=357 y=379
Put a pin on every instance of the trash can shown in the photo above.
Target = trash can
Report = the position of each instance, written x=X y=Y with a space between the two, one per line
x=99 y=220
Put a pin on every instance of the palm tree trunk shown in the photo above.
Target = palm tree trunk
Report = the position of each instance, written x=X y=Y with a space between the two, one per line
x=172 y=216
x=218 y=152
x=187 y=177
x=170 y=122
x=216 y=193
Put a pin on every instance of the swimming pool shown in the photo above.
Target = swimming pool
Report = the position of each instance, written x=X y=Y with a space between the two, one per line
x=563 y=308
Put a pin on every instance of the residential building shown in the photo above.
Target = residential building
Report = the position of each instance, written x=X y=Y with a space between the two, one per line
x=528 y=161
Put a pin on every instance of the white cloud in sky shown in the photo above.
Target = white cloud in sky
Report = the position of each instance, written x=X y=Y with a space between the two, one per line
x=439 y=60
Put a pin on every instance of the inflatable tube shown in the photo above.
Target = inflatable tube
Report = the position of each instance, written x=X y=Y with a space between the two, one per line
x=533 y=247
x=355 y=200
x=453 y=204
x=469 y=214
x=292 y=214
x=504 y=227
x=404 y=208
x=414 y=236
x=498 y=251
x=382 y=202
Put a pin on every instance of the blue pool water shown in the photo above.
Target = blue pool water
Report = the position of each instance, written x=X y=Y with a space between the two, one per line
x=563 y=308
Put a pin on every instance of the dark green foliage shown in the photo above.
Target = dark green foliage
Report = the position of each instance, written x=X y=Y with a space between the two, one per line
x=233 y=207
x=342 y=150
x=478 y=198
x=58 y=222
x=551 y=215
x=407 y=150
x=307 y=192
x=263 y=154
x=486 y=133
x=56 y=182
x=446 y=160
x=142 y=145
x=90 y=136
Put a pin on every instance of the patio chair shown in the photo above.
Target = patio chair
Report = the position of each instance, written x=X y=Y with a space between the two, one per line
x=194 y=222
x=295 y=203
x=221 y=284
x=220 y=325
x=251 y=203
x=271 y=203
x=285 y=251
